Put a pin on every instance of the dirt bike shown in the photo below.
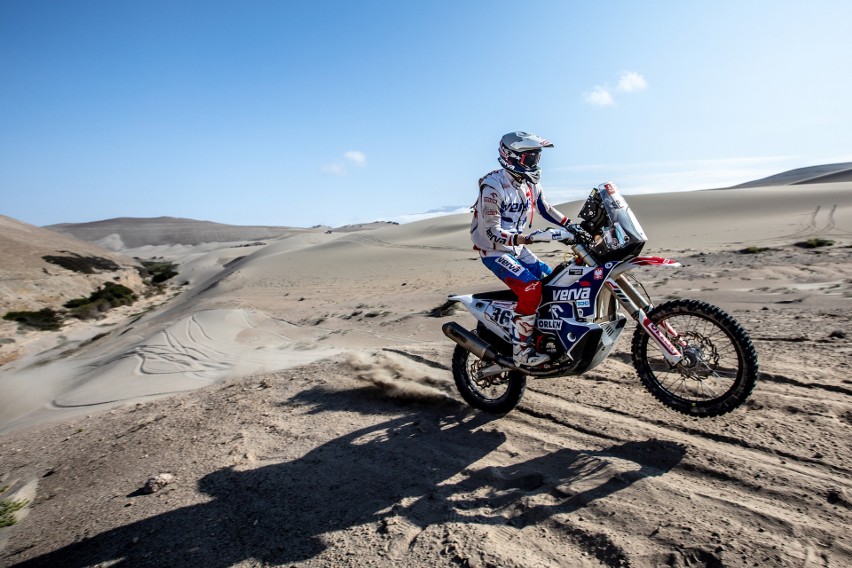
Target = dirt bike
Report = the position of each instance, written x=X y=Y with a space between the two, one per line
x=692 y=356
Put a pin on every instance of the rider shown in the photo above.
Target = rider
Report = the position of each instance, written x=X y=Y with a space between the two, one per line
x=503 y=210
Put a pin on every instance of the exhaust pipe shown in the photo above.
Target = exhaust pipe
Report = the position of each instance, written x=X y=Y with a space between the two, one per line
x=474 y=344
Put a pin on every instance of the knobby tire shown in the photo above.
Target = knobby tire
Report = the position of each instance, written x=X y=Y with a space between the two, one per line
x=515 y=383
x=729 y=360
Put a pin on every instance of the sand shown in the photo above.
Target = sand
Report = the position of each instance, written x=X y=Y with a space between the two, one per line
x=299 y=392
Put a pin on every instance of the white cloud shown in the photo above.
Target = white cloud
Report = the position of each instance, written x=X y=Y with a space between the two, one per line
x=352 y=157
x=628 y=82
x=599 y=96
x=631 y=82
x=337 y=169
x=357 y=158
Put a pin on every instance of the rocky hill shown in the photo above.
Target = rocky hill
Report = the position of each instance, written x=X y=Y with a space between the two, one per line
x=41 y=268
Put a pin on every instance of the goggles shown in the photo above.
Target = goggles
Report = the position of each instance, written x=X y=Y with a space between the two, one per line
x=529 y=159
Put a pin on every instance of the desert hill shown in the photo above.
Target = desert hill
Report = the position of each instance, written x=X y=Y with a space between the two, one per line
x=298 y=391
x=132 y=232
x=43 y=269
x=29 y=282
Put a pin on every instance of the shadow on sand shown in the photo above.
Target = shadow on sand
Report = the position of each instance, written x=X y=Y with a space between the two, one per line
x=278 y=513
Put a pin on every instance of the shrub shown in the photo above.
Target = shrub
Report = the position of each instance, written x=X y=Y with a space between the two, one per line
x=163 y=276
x=158 y=271
x=84 y=264
x=7 y=511
x=114 y=294
x=101 y=300
x=753 y=250
x=89 y=310
x=816 y=242
x=45 y=319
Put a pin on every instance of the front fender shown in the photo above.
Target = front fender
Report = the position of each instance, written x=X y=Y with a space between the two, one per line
x=645 y=261
x=653 y=261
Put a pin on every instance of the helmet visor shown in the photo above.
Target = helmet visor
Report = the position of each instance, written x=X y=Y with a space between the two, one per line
x=530 y=159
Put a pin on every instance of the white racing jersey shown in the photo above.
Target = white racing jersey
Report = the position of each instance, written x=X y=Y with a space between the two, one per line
x=504 y=208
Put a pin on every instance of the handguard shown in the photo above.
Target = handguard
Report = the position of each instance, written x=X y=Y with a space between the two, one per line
x=572 y=233
x=547 y=235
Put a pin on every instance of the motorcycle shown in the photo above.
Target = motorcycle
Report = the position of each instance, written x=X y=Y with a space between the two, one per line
x=690 y=355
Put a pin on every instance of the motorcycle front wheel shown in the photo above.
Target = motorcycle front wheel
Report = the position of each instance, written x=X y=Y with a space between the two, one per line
x=719 y=369
x=497 y=394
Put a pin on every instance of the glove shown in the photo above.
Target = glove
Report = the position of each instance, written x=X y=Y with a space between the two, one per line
x=572 y=232
x=546 y=235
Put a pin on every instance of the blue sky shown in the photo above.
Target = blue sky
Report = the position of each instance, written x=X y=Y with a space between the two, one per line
x=305 y=113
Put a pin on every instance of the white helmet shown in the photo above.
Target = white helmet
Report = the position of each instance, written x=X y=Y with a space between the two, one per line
x=520 y=153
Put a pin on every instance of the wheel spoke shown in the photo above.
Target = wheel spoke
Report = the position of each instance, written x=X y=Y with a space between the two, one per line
x=718 y=367
x=714 y=367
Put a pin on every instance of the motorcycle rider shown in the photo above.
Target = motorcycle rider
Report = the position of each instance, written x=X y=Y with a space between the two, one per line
x=505 y=207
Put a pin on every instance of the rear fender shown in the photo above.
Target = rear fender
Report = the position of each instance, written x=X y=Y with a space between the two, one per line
x=496 y=315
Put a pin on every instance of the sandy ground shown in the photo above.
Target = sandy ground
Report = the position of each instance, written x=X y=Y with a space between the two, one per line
x=311 y=418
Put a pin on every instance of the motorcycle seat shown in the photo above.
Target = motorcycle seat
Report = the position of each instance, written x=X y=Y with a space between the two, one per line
x=501 y=295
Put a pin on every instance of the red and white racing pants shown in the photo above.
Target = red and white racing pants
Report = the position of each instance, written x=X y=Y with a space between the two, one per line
x=521 y=273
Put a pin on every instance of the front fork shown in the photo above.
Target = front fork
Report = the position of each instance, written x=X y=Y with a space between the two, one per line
x=638 y=307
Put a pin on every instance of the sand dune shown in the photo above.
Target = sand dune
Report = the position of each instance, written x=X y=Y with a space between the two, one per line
x=827 y=173
x=715 y=219
x=316 y=423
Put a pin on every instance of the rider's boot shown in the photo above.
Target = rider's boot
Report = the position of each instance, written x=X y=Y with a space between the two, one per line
x=523 y=352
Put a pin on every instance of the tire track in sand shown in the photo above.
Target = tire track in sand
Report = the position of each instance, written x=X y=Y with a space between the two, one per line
x=724 y=493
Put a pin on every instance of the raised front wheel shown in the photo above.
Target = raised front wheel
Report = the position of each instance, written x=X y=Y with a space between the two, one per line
x=719 y=367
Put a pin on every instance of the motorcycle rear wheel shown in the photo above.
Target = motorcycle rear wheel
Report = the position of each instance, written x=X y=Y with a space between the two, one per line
x=718 y=374
x=497 y=394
